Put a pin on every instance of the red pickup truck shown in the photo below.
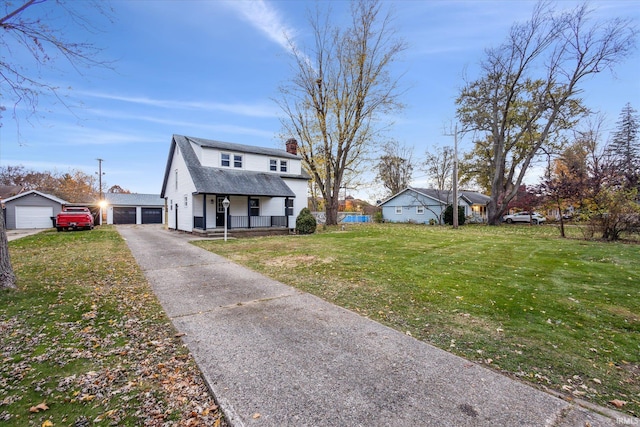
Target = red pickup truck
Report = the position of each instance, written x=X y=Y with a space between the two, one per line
x=74 y=218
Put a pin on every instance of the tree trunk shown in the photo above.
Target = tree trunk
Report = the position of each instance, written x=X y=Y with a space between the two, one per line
x=494 y=216
x=331 y=210
x=7 y=277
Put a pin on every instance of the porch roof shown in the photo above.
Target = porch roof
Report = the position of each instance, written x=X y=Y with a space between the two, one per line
x=239 y=183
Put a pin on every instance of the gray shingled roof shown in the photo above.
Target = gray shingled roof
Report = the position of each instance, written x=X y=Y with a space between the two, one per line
x=27 y=193
x=231 y=181
x=123 y=199
x=445 y=196
x=229 y=146
x=476 y=198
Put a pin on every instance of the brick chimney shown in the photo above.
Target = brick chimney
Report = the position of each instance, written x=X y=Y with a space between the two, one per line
x=292 y=146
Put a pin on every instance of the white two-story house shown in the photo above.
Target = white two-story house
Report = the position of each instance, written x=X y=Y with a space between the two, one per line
x=265 y=187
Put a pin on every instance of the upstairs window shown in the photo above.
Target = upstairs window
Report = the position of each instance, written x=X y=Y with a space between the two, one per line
x=273 y=165
x=283 y=165
x=420 y=210
x=237 y=161
x=225 y=159
x=399 y=210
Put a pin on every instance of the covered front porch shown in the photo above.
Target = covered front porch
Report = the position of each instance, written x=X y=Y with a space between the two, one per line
x=241 y=212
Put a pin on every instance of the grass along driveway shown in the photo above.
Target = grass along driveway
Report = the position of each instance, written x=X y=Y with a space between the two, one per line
x=563 y=314
x=84 y=341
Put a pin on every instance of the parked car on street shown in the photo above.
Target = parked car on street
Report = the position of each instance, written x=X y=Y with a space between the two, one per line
x=533 y=217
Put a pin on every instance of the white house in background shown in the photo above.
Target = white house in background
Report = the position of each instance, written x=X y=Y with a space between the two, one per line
x=31 y=209
x=266 y=187
x=425 y=205
x=123 y=208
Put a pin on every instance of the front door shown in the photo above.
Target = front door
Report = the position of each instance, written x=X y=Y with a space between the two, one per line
x=219 y=211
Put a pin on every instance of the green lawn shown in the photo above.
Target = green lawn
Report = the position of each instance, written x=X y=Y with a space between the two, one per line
x=561 y=313
x=84 y=341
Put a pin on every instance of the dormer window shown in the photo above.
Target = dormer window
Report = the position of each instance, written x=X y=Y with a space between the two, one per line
x=227 y=158
x=283 y=165
x=273 y=165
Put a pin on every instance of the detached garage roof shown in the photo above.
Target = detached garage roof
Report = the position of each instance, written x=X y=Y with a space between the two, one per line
x=125 y=199
x=35 y=192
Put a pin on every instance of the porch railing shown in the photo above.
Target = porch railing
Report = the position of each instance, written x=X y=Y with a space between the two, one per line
x=247 y=222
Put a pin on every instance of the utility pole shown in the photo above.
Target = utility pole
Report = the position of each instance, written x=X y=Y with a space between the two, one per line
x=100 y=177
x=455 y=177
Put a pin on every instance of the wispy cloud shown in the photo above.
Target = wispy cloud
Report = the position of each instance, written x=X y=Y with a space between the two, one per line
x=252 y=110
x=265 y=18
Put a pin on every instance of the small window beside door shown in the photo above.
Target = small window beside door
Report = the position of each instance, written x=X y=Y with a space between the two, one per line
x=254 y=207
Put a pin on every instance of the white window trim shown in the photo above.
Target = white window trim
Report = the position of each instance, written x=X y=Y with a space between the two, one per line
x=229 y=159
x=420 y=210
x=398 y=210
x=241 y=161
x=273 y=163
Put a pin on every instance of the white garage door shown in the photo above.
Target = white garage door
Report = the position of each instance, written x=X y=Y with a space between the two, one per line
x=34 y=216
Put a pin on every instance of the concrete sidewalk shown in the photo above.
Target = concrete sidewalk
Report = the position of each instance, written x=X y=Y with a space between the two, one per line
x=275 y=356
x=18 y=234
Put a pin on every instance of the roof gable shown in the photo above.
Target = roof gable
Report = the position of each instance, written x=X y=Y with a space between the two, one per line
x=36 y=192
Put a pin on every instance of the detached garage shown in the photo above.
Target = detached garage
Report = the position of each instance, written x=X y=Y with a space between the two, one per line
x=32 y=209
x=134 y=208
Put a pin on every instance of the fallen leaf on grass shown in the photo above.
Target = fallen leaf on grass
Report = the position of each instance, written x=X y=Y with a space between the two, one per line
x=40 y=407
x=47 y=423
x=618 y=403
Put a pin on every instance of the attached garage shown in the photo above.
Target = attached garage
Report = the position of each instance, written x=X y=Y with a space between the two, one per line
x=134 y=208
x=32 y=209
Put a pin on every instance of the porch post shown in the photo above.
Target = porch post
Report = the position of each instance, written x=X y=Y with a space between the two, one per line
x=249 y=211
x=286 y=211
x=204 y=212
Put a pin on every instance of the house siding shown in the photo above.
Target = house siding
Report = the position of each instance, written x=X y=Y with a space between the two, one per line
x=409 y=201
x=175 y=196
x=250 y=161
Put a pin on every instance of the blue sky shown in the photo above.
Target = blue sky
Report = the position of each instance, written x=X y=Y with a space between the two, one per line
x=211 y=69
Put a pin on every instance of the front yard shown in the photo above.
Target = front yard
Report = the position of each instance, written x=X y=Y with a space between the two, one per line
x=562 y=314
x=84 y=341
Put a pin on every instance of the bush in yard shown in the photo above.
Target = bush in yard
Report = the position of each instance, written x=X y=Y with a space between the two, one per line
x=306 y=222
x=448 y=215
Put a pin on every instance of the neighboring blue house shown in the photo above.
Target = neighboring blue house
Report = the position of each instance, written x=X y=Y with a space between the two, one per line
x=427 y=205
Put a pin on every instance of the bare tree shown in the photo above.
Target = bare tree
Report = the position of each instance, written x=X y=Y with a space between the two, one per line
x=528 y=91
x=438 y=165
x=395 y=167
x=28 y=30
x=339 y=90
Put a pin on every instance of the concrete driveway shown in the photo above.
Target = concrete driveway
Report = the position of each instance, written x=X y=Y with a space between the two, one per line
x=275 y=356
